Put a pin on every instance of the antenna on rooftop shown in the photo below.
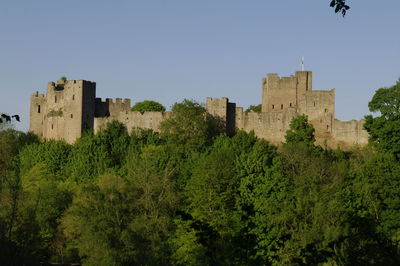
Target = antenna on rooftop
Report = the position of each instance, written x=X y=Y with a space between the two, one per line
x=302 y=63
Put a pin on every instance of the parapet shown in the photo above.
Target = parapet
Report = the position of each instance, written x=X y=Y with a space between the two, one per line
x=217 y=106
x=111 y=107
x=36 y=94
x=274 y=82
x=217 y=100
x=273 y=75
x=116 y=101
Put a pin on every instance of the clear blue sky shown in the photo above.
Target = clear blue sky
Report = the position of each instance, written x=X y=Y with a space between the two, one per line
x=171 y=50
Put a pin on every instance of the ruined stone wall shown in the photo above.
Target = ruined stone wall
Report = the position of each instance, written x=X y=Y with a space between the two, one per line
x=304 y=81
x=147 y=120
x=278 y=93
x=88 y=107
x=54 y=116
x=37 y=111
x=224 y=113
x=66 y=107
x=319 y=106
x=349 y=133
x=217 y=107
x=70 y=107
x=269 y=126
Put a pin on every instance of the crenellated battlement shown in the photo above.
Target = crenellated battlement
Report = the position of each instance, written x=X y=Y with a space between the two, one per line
x=36 y=94
x=124 y=101
x=282 y=99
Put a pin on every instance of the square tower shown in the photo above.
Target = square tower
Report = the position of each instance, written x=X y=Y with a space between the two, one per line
x=65 y=111
x=281 y=93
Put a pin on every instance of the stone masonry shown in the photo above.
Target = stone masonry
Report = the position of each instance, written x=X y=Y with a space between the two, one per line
x=70 y=107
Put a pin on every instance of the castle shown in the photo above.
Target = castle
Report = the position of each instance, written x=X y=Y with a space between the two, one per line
x=70 y=107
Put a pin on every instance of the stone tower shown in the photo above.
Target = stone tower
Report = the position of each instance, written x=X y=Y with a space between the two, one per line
x=278 y=93
x=65 y=111
x=281 y=94
x=70 y=107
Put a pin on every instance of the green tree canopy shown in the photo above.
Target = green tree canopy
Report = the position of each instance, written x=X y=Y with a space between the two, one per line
x=384 y=130
x=340 y=6
x=300 y=131
x=254 y=108
x=148 y=106
x=188 y=124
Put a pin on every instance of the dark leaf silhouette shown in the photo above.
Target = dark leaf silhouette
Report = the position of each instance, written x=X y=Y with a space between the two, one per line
x=7 y=118
x=16 y=117
x=340 y=6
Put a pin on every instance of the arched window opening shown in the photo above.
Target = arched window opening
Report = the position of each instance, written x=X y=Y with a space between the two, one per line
x=290 y=104
x=51 y=126
x=38 y=109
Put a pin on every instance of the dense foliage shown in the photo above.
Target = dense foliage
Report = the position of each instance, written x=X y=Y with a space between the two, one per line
x=254 y=108
x=148 y=106
x=384 y=130
x=192 y=196
x=340 y=6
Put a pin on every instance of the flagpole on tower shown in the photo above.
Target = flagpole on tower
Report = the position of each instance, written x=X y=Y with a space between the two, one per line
x=302 y=63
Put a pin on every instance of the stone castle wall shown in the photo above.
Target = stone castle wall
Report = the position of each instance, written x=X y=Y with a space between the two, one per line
x=71 y=107
x=269 y=126
x=64 y=111
x=147 y=120
x=349 y=133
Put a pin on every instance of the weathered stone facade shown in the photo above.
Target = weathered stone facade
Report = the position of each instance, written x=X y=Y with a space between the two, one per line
x=70 y=107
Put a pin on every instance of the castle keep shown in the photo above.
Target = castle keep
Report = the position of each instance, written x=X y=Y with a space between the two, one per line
x=71 y=107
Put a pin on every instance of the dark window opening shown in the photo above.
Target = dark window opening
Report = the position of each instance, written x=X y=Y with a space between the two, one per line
x=51 y=126
x=273 y=106
x=327 y=127
x=73 y=97
x=38 y=109
x=314 y=104
x=326 y=110
x=55 y=99
x=281 y=106
x=290 y=104
x=72 y=116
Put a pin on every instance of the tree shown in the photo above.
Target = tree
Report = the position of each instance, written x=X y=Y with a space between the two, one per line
x=211 y=190
x=254 y=108
x=6 y=120
x=186 y=246
x=31 y=206
x=384 y=130
x=188 y=125
x=52 y=154
x=125 y=220
x=93 y=155
x=148 y=106
x=300 y=131
x=340 y=6
x=376 y=189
